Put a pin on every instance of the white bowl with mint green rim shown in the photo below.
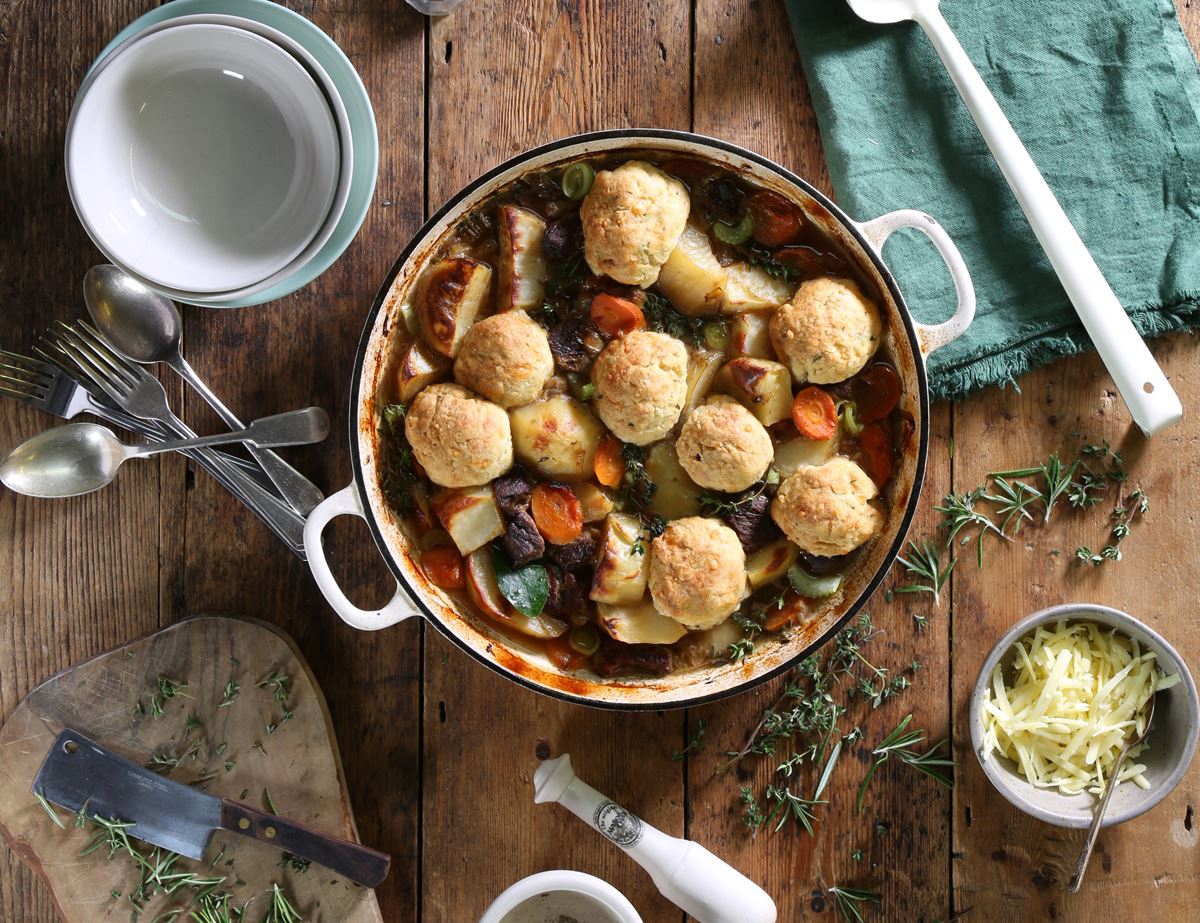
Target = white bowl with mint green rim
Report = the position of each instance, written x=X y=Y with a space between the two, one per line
x=345 y=140
x=1171 y=743
x=550 y=897
x=344 y=81
x=203 y=157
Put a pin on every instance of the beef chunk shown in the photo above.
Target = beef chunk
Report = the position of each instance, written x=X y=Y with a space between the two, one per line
x=522 y=540
x=752 y=522
x=616 y=659
x=512 y=492
x=574 y=342
x=566 y=597
x=821 y=566
x=563 y=238
x=577 y=554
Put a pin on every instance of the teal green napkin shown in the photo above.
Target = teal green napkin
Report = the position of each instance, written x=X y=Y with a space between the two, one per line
x=1104 y=93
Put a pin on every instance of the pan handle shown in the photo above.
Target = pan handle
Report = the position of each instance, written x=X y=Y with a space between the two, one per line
x=930 y=336
x=346 y=502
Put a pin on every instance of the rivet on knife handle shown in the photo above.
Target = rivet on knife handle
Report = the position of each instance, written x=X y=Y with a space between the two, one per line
x=364 y=866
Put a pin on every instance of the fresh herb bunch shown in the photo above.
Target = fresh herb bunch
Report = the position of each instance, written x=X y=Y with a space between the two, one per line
x=637 y=487
x=806 y=720
x=661 y=315
x=399 y=466
x=773 y=267
x=1009 y=500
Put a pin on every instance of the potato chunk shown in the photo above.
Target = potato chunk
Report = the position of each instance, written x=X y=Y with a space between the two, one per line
x=750 y=335
x=470 y=514
x=691 y=277
x=522 y=284
x=639 y=623
x=595 y=501
x=797 y=453
x=762 y=386
x=703 y=366
x=421 y=366
x=752 y=288
x=677 y=495
x=556 y=437
x=770 y=563
x=624 y=565
x=452 y=295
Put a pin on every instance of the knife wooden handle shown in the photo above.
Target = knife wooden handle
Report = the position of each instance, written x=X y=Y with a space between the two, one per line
x=367 y=867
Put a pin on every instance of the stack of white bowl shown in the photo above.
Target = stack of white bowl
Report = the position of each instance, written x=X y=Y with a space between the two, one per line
x=211 y=157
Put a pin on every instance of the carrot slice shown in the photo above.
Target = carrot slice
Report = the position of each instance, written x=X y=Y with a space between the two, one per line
x=444 y=566
x=814 y=413
x=616 y=316
x=557 y=513
x=876 y=448
x=609 y=464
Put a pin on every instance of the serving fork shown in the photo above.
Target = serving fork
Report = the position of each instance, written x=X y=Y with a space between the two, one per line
x=138 y=393
x=47 y=384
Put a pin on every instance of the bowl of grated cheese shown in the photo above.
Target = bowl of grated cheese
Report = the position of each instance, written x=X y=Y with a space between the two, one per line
x=1059 y=696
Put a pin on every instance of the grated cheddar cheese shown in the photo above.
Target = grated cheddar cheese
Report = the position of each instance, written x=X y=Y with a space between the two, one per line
x=1078 y=692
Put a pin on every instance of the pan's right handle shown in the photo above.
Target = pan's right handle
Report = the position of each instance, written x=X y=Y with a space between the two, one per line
x=346 y=502
x=930 y=336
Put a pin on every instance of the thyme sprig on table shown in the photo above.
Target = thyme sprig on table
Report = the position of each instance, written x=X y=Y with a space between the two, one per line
x=806 y=719
x=1008 y=500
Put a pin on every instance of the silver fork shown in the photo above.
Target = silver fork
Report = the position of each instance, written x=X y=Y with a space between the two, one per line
x=45 y=384
x=139 y=393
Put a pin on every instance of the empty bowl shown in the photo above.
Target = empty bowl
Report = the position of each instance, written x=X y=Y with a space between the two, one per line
x=344 y=83
x=345 y=139
x=204 y=158
x=1171 y=742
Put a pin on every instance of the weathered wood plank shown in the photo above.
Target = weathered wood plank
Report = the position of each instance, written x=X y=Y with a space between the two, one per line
x=78 y=576
x=750 y=89
x=1014 y=865
x=299 y=351
x=503 y=77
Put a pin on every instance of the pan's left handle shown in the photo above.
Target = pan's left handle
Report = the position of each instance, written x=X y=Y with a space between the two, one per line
x=930 y=336
x=346 y=502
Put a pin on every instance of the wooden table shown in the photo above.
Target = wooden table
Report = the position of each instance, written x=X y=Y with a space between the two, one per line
x=439 y=751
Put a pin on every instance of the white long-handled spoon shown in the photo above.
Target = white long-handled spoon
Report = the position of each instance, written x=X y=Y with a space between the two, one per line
x=1150 y=398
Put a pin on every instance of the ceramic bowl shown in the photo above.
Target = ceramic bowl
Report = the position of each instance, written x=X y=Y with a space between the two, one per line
x=205 y=158
x=344 y=82
x=1172 y=740
x=550 y=897
x=345 y=139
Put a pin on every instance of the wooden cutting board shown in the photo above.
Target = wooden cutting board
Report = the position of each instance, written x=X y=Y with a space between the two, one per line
x=112 y=700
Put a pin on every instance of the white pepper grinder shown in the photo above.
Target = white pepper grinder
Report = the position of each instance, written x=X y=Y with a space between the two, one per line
x=686 y=873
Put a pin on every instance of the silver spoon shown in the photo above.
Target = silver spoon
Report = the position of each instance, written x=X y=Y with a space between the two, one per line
x=1094 y=829
x=147 y=328
x=81 y=457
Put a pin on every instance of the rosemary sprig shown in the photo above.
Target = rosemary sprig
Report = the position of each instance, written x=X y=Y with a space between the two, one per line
x=232 y=690
x=849 y=901
x=281 y=909
x=959 y=512
x=902 y=742
x=1013 y=498
x=49 y=809
x=925 y=562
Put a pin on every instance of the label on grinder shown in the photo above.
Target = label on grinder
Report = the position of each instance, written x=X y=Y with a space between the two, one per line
x=617 y=824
